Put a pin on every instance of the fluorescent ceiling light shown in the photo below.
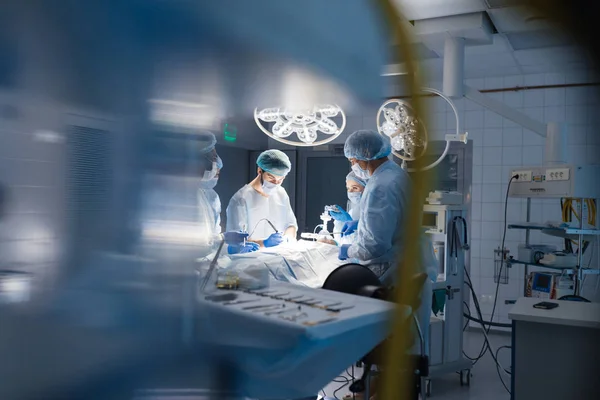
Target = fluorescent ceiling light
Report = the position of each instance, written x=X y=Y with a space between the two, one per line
x=178 y=103
x=394 y=70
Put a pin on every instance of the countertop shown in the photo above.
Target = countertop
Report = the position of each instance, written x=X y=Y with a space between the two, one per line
x=568 y=313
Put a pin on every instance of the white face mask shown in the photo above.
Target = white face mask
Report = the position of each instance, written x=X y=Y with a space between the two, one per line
x=361 y=173
x=268 y=187
x=209 y=184
x=208 y=175
x=354 y=197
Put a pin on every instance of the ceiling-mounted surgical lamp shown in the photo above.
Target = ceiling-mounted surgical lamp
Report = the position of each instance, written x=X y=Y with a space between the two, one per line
x=304 y=128
x=396 y=119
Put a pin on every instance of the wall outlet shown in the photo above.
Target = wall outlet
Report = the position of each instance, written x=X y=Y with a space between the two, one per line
x=557 y=174
x=524 y=176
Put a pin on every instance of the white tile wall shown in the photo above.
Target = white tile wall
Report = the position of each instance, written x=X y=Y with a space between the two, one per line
x=499 y=146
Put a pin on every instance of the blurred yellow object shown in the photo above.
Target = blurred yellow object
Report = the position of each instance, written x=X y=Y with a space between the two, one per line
x=395 y=385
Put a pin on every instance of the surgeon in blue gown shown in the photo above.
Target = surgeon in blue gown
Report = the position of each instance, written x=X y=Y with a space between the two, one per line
x=378 y=238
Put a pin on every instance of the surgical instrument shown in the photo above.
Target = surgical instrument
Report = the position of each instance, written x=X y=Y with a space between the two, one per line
x=256 y=307
x=293 y=298
x=310 y=302
x=270 y=308
x=322 y=321
x=279 y=312
x=338 y=309
x=240 y=301
x=294 y=317
x=260 y=291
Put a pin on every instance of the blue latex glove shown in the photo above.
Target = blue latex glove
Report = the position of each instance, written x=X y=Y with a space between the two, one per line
x=349 y=228
x=235 y=238
x=273 y=240
x=343 y=255
x=340 y=215
x=241 y=249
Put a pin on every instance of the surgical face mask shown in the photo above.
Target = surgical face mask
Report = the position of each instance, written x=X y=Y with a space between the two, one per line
x=268 y=187
x=208 y=175
x=209 y=184
x=361 y=173
x=354 y=197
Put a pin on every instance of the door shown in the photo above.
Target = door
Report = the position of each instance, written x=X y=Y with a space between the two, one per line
x=322 y=181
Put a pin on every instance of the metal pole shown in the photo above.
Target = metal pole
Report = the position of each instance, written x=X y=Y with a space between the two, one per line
x=578 y=269
x=527 y=231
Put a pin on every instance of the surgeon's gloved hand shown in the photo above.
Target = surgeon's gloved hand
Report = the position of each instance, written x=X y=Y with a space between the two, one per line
x=349 y=228
x=343 y=254
x=274 y=240
x=235 y=238
x=340 y=215
x=241 y=248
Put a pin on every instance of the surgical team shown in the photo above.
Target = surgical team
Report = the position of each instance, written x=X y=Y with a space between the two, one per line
x=260 y=215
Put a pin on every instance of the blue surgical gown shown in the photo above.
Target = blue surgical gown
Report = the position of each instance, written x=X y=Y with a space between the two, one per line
x=382 y=214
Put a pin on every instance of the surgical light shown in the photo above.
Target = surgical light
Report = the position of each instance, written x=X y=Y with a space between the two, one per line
x=397 y=120
x=303 y=126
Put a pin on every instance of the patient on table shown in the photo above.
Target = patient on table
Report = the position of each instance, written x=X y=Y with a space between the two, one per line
x=305 y=263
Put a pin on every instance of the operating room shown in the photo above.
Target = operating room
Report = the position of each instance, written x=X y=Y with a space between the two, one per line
x=258 y=200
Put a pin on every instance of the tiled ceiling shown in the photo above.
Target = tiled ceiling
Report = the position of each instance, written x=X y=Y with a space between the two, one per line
x=525 y=42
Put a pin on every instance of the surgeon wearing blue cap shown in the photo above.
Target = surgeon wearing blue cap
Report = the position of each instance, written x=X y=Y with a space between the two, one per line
x=262 y=207
x=382 y=204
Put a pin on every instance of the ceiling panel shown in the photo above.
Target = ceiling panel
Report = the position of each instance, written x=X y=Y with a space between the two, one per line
x=538 y=39
x=499 y=45
x=554 y=55
x=517 y=19
x=500 y=60
x=425 y=9
x=491 y=72
x=502 y=3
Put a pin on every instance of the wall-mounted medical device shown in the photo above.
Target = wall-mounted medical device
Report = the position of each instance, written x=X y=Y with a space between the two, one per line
x=556 y=181
x=434 y=217
x=444 y=197
x=549 y=285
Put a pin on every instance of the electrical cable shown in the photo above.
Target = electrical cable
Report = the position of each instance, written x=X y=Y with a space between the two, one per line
x=468 y=316
x=488 y=323
x=259 y=221
x=503 y=261
x=486 y=344
x=340 y=388
x=500 y=348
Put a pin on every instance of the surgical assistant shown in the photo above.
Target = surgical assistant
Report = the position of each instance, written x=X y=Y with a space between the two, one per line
x=209 y=203
x=262 y=207
x=355 y=187
x=380 y=223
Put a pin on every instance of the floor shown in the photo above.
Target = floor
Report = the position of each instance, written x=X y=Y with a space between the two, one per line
x=485 y=383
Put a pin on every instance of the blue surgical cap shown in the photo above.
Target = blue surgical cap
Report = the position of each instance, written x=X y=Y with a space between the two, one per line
x=206 y=141
x=352 y=177
x=366 y=145
x=274 y=162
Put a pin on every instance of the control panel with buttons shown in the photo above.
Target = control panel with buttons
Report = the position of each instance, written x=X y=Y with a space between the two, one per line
x=557 y=174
